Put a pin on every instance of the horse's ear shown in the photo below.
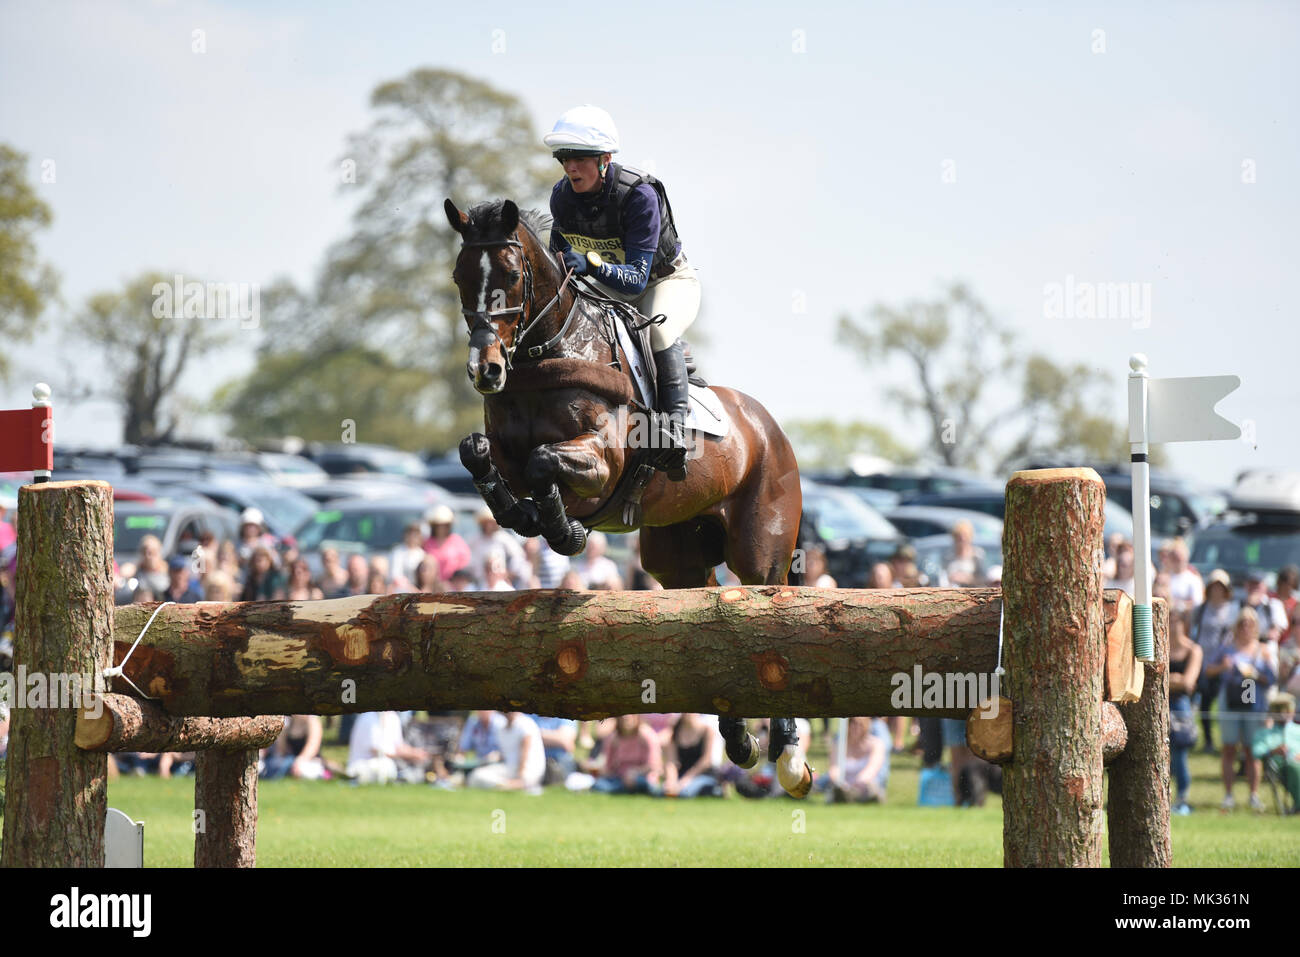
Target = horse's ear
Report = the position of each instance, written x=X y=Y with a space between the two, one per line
x=455 y=216
x=509 y=217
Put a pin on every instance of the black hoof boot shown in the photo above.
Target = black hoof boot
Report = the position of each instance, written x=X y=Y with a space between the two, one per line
x=742 y=747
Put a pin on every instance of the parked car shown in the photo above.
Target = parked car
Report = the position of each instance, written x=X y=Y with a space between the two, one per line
x=448 y=472
x=345 y=458
x=1246 y=543
x=375 y=486
x=918 y=521
x=854 y=535
x=368 y=526
x=932 y=552
x=1260 y=533
x=179 y=523
x=284 y=509
x=912 y=481
x=1118 y=518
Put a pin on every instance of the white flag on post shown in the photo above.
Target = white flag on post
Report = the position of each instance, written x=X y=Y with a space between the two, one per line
x=1164 y=410
x=1182 y=410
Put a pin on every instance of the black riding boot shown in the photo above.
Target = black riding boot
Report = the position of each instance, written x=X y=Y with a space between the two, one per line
x=674 y=404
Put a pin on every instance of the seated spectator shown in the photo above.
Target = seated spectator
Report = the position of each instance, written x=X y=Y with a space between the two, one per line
x=965 y=562
x=1124 y=568
x=428 y=579
x=296 y=752
x=594 y=568
x=480 y=737
x=461 y=580
x=882 y=576
x=333 y=578
x=301 y=587
x=358 y=575
x=689 y=758
x=815 y=569
x=228 y=561
x=866 y=770
x=495 y=575
x=406 y=557
x=632 y=759
x=1247 y=673
x=253 y=535
x=151 y=569
x=376 y=584
x=903 y=564
x=662 y=725
x=262 y=582
x=218 y=586
x=377 y=753
x=179 y=587
x=559 y=738
x=523 y=759
x=1279 y=742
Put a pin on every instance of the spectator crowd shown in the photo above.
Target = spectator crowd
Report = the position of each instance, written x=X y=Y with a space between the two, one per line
x=1233 y=667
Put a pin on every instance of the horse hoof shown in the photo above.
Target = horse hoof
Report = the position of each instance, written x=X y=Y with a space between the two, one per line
x=743 y=761
x=793 y=772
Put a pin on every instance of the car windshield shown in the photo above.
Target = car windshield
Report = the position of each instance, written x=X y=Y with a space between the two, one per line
x=285 y=508
x=130 y=528
x=371 y=529
x=1239 y=549
x=842 y=515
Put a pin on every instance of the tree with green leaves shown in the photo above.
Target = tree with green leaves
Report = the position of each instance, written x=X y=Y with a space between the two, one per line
x=380 y=341
x=148 y=340
x=26 y=284
x=954 y=349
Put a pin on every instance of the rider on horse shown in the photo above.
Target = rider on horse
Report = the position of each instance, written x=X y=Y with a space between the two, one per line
x=614 y=225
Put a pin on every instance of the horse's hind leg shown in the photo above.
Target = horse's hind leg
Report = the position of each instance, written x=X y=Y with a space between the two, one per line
x=762 y=533
x=684 y=556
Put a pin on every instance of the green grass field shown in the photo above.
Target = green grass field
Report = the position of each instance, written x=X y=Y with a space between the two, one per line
x=328 y=823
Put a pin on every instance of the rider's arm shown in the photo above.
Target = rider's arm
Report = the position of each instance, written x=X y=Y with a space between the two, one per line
x=641 y=226
x=630 y=277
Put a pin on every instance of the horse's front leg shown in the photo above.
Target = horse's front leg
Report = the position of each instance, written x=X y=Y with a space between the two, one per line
x=577 y=463
x=509 y=511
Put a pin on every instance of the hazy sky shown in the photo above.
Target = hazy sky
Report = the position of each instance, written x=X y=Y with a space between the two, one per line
x=834 y=154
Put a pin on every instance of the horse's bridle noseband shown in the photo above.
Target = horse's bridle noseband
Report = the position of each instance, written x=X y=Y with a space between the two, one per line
x=482 y=317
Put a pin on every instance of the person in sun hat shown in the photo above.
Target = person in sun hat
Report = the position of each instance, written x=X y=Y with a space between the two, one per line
x=451 y=551
x=614 y=224
x=1212 y=624
x=253 y=535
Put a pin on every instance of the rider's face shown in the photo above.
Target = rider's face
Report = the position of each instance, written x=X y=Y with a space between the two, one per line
x=584 y=172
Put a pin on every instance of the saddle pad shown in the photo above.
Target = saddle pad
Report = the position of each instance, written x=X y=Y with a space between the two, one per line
x=707 y=414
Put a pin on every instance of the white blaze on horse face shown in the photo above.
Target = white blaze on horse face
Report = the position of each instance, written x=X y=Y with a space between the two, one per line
x=486 y=266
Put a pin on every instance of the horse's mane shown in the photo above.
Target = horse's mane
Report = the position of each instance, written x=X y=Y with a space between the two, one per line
x=485 y=220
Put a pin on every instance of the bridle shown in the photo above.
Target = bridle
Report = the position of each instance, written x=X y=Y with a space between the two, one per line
x=482 y=318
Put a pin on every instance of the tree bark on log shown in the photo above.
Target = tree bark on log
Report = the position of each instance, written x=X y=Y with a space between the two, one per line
x=129 y=724
x=57 y=794
x=1056 y=653
x=1137 y=803
x=225 y=791
x=990 y=736
x=747 y=651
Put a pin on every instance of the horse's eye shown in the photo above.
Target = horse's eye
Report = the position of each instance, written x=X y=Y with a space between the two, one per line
x=514 y=276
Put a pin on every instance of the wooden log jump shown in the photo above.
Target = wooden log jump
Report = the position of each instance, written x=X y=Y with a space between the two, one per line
x=745 y=651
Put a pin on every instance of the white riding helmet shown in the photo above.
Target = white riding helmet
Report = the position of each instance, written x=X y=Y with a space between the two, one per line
x=584 y=128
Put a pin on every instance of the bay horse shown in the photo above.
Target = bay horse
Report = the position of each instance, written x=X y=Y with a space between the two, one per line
x=560 y=454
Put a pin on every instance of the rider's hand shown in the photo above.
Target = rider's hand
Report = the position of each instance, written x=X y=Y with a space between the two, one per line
x=575 y=262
